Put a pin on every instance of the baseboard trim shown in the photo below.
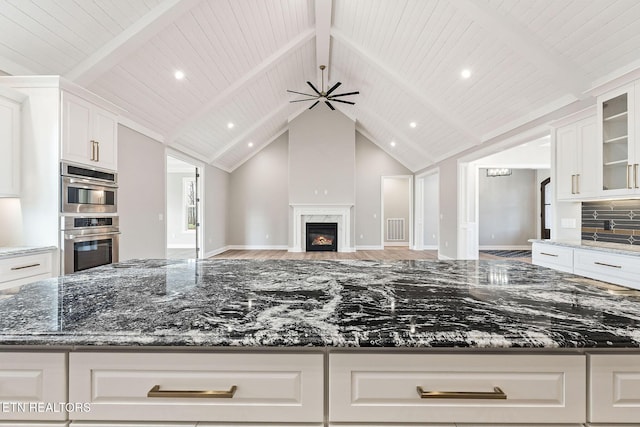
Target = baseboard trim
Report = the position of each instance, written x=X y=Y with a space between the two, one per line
x=258 y=247
x=396 y=243
x=216 y=252
x=369 y=248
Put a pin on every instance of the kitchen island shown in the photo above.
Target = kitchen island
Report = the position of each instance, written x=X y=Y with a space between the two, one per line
x=338 y=341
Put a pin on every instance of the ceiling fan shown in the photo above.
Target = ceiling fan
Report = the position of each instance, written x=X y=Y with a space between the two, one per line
x=321 y=94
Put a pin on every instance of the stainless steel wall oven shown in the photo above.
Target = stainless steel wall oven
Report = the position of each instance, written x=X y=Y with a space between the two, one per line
x=89 y=242
x=85 y=190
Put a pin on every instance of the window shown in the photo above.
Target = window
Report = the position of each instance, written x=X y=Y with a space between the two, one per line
x=189 y=203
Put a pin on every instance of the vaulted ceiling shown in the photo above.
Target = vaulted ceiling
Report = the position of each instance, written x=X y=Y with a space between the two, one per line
x=527 y=59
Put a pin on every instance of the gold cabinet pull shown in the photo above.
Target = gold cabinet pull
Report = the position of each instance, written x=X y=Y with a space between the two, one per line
x=578 y=184
x=211 y=394
x=629 y=186
x=497 y=393
x=24 y=266
x=607 y=265
x=573 y=184
x=635 y=174
x=547 y=254
x=97 y=151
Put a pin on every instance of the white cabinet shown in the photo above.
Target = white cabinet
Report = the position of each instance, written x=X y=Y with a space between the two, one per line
x=456 y=388
x=9 y=146
x=614 y=268
x=614 y=388
x=221 y=387
x=23 y=269
x=619 y=154
x=576 y=160
x=552 y=256
x=33 y=386
x=89 y=133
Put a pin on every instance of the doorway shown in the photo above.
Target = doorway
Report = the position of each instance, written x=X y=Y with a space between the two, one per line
x=545 y=209
x=397 y=211
x=183 y=208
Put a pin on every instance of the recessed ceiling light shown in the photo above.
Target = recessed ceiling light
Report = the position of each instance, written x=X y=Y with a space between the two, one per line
x=466 y=73
x=230 y=125
x=250 y=144
x=413 y=124
x=393 y=143
x=179 y=75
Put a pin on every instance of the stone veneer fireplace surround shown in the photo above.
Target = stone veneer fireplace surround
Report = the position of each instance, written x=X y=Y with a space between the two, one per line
x=304 y=213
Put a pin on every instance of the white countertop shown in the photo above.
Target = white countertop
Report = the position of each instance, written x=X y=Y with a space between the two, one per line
x=616 y=248
x=12 y=251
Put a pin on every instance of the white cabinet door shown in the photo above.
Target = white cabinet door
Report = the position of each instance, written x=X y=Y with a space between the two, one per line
x=613 y=268
x=221 y=387
x=462 y=388
x=576 y=160
x=9 y=147
x=552 y=256
x=614 y=388
x=89 y=133
x=33 y=386
x=21 y=270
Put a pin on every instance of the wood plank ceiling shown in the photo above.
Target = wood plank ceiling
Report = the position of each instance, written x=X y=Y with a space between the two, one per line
x=527 y=58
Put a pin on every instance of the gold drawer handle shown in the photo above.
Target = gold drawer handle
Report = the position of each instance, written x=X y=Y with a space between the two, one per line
x=211 y=394
x=553 y=255
x=604 y=264
x=24 y=266
x=497 y=393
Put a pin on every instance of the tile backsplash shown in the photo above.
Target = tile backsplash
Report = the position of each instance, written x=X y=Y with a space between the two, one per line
x=614 y=221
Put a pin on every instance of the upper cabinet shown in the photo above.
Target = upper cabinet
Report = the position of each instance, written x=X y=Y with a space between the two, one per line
x=89 y=133
x=576 y=160
x=10 y=122
x=620 y=151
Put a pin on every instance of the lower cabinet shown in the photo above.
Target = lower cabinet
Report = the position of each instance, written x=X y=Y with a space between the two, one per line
x=614 y=388
x=552 y=256
x=20 y=270
x=221 y=387
x=619 y=269
x=464 y=388
x=33 y=387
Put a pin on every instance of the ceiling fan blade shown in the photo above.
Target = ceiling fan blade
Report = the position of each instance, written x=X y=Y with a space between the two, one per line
x=302 y=100
x=300 y=93
x=329 y=105
x=345 y=94
x=344 y=102
x=334 y=87
x=314 y=88
x=314 y=104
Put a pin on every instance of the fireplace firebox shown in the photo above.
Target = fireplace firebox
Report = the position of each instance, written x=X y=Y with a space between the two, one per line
x=322 y=236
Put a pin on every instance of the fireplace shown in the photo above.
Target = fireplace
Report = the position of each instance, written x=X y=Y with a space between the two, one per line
x=322 y=236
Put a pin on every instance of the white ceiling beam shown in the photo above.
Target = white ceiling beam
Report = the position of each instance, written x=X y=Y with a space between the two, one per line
x=247 y=133
x=129 y=40
x=397 y=79
x=244 y=81
x=13 y=69
x=558 y=69
x=323 y=36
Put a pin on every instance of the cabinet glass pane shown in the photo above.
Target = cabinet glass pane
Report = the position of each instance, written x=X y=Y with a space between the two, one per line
x=615 y=132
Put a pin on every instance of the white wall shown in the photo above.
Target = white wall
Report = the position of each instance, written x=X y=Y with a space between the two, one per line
x=431 y=211
x=371 y=164
x=448 y=200
x=258 y=214
x=216 y=206
x=10 y=222
x=322 y=158
x=141 y=195
x=507 y=209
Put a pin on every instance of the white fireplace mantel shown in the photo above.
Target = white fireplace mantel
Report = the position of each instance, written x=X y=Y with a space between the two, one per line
x=340 y=214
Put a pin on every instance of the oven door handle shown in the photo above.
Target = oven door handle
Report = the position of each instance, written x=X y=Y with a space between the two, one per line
x=91 y=183
x=82 y=236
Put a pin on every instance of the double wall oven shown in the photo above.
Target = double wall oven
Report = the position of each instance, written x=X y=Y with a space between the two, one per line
x=89 y=225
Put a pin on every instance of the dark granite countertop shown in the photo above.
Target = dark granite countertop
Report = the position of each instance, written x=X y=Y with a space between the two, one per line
x=345 y=303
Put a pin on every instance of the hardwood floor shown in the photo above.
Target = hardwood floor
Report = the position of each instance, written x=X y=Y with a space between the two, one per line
x=388 y=253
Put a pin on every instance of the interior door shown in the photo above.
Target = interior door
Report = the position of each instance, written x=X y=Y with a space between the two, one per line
x=545 y=209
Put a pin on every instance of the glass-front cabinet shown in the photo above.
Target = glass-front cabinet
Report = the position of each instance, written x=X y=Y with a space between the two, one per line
x=617 y=122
